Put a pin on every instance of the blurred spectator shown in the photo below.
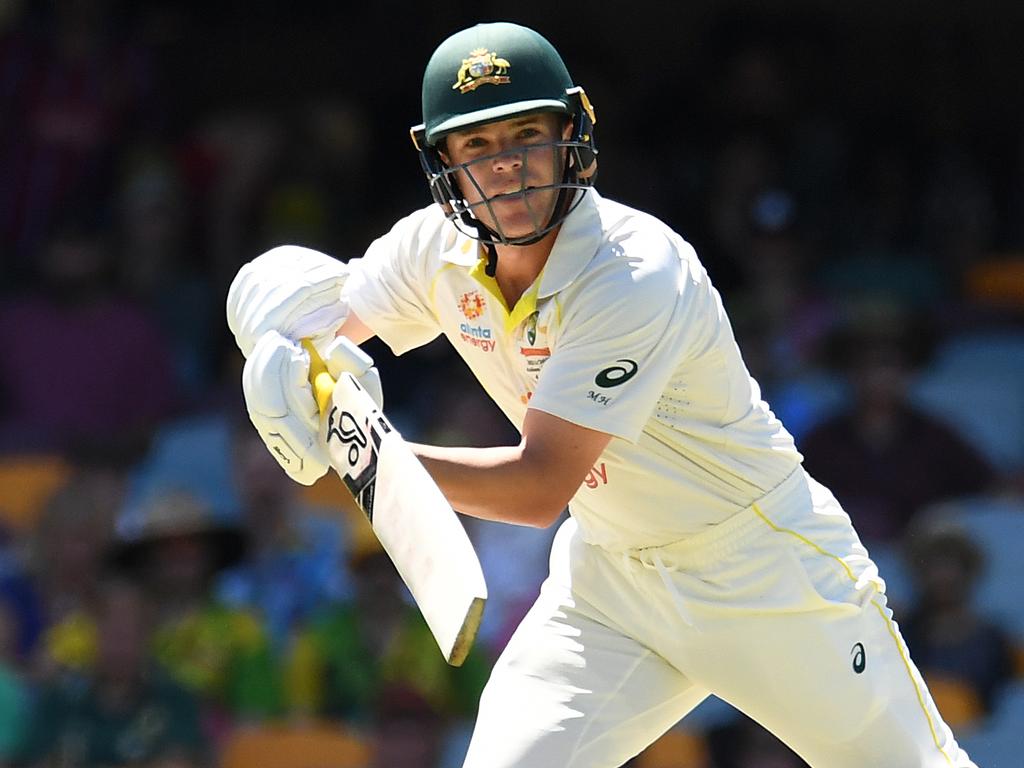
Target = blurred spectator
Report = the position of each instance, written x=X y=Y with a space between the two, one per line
x=239 y=148
x=295 y=561
x=20 y=604
x=408 y=732
x=75 y=82
x=354 y=651
x=295 y=565
x=14 y=688
x=882 y=457
x=158 y=259
x=176 y=548
x=67 y=560
x=780 y=321
x=964 y=656
x=80 y=363
x=742 y=168
x=959 y=215
x=310 y=198
x=122 y=712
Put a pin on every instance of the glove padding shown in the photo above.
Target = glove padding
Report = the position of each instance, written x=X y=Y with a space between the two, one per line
x=345 y=356
x=293 y=290
x=279 y=399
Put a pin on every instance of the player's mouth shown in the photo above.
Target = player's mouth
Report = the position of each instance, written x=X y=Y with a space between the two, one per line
x=515 y=195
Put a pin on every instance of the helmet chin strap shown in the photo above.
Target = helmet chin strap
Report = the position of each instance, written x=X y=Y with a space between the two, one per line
x=492 y=260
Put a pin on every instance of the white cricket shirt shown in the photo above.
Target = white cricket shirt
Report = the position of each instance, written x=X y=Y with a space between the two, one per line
x=622 y=332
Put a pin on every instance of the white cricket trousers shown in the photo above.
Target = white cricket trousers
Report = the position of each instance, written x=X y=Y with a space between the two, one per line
x=778 y=611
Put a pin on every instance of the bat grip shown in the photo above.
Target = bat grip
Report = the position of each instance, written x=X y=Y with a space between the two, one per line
x=319 y=378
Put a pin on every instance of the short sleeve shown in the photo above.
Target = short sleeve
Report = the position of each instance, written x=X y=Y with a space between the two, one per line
x=623 y=332
x=389 y=286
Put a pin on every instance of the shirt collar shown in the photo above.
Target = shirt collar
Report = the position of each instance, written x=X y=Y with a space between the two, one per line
x=576 y=244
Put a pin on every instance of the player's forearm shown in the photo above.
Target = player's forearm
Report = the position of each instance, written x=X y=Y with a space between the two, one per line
x=493 y=484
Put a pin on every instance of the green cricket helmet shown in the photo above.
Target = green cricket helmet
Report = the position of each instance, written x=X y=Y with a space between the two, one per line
x=493 y=72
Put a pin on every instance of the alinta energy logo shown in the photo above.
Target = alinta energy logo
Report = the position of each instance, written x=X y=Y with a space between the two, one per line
x=472 y=305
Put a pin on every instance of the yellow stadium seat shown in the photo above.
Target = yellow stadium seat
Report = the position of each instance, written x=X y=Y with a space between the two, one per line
x=997 y=281
x=26 y=484
x=285 y=745
x=958 y=702
x=1018 y=660
x=675 y=749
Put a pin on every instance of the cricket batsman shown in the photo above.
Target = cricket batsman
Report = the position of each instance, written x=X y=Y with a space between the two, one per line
x=699 y=557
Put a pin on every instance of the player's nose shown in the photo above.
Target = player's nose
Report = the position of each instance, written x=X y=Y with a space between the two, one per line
x=508 y=160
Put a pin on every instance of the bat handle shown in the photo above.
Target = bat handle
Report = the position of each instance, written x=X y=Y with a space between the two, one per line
x=319 y=378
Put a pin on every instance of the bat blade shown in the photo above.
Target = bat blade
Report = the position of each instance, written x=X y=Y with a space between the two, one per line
x=410 y=516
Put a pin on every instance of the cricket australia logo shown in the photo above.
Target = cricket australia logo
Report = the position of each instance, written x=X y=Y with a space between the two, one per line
x=472 y=305
x=535 y=354
x=531 y=328
x=481 y=68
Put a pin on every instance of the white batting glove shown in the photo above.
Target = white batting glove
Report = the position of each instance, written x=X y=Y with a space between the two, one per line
x=279 y=399
x=293 y=290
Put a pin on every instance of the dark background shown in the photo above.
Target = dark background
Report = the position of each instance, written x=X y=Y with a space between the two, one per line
x=852 y=176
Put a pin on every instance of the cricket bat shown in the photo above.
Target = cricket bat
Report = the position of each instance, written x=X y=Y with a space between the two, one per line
x=411 y=518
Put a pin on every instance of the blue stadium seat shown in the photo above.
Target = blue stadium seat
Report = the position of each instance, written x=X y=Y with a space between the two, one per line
x=998 y=742
x=976 y=384
x=998 y=526
x=193 y=454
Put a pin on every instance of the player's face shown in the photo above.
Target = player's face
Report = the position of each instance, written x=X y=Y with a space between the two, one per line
x=508 y=169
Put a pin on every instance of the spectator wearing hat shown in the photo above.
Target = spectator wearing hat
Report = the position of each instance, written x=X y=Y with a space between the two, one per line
x=67 y=560
x=964 y=656
x=176 y=548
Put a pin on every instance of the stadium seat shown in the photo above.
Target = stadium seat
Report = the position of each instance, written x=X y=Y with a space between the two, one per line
x=998 y=742
x=677 y=748
x=997 y=281
x=309 y=745
x=194 y=454
x=998 y=526
x=976 y=384
x=26 y=483
x=958 y=702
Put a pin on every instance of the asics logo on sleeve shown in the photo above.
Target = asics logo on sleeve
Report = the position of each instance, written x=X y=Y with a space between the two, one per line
x=614 y=375
x=859 y=660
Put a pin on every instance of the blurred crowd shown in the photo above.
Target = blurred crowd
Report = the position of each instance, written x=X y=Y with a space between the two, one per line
x=853 y=181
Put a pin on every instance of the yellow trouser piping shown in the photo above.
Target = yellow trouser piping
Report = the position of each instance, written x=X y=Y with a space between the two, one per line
x=888 y=623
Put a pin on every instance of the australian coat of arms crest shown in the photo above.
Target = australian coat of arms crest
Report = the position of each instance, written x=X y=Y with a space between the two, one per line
x=481 y=68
